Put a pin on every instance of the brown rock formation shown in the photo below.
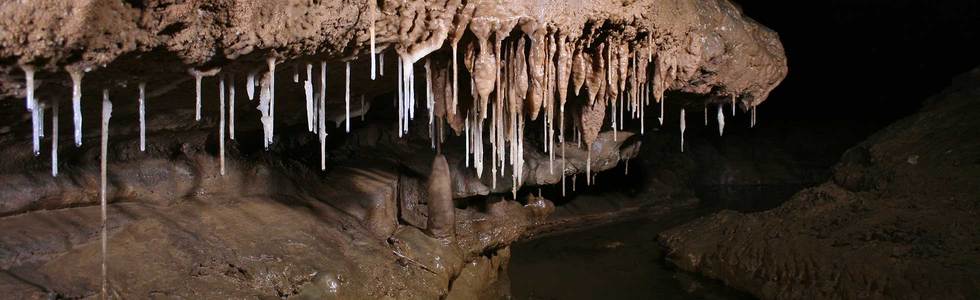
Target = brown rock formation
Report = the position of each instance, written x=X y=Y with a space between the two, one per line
x=898 y=220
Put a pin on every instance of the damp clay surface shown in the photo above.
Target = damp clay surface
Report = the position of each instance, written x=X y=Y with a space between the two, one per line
x=897 y=219
x=331 y=149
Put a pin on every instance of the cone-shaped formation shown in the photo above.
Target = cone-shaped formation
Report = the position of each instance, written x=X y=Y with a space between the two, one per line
x=442 y=220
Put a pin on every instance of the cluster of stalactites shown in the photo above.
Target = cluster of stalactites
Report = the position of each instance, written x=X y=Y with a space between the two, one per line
x=513 y=81
x=516 y=80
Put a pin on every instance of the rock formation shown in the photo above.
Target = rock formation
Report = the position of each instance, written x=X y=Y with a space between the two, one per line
x=898 y=219
x=209 y=215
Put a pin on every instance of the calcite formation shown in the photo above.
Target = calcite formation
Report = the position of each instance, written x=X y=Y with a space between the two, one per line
x=488 y=73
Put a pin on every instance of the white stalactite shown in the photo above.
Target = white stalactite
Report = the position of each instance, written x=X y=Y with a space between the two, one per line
x=661 y=119
x=76 y=103
x=36 y=126
x=308 y=88
x=231 y=108
x=54 y=139
x=752 y=121
x=323 y=116
x=221 y=124
x=250 y=85
x=381 y=64
x=29 y=86
x=733 y=105
x=271 y=61
x=683 y=127
x=401 y=97
x=197 y=94
x=265 y=110
x=371 y=4
x=706 y=115
x=721 y=120
x=40 y=107
x=106 y=114
x=142 y=103
x=198 y=75
x=347 y=96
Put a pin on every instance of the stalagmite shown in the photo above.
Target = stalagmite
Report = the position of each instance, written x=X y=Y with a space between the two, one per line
x=250 y=85
x=322 y=116
x=76 y=103
x=347 y=96
x=441 y=221
x=231 y=108
x=683 y=127
x=721 y=121
x=106 y=114
x=371 y=4
x=54 y=139
x=308 y=89
x=142 y=102
x=221 y=124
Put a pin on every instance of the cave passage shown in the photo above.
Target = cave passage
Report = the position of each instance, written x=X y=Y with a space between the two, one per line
x=456 y=149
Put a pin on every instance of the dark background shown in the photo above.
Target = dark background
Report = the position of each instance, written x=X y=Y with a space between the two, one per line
x=873 y=60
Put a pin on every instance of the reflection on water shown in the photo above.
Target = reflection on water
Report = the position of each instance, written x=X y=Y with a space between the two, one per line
x=616 y=261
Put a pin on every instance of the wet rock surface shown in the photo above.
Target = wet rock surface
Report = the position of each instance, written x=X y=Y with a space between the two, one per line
x=897 y=218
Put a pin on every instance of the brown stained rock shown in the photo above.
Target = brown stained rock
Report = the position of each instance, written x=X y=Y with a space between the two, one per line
x=483 y=278
x=898 y=219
